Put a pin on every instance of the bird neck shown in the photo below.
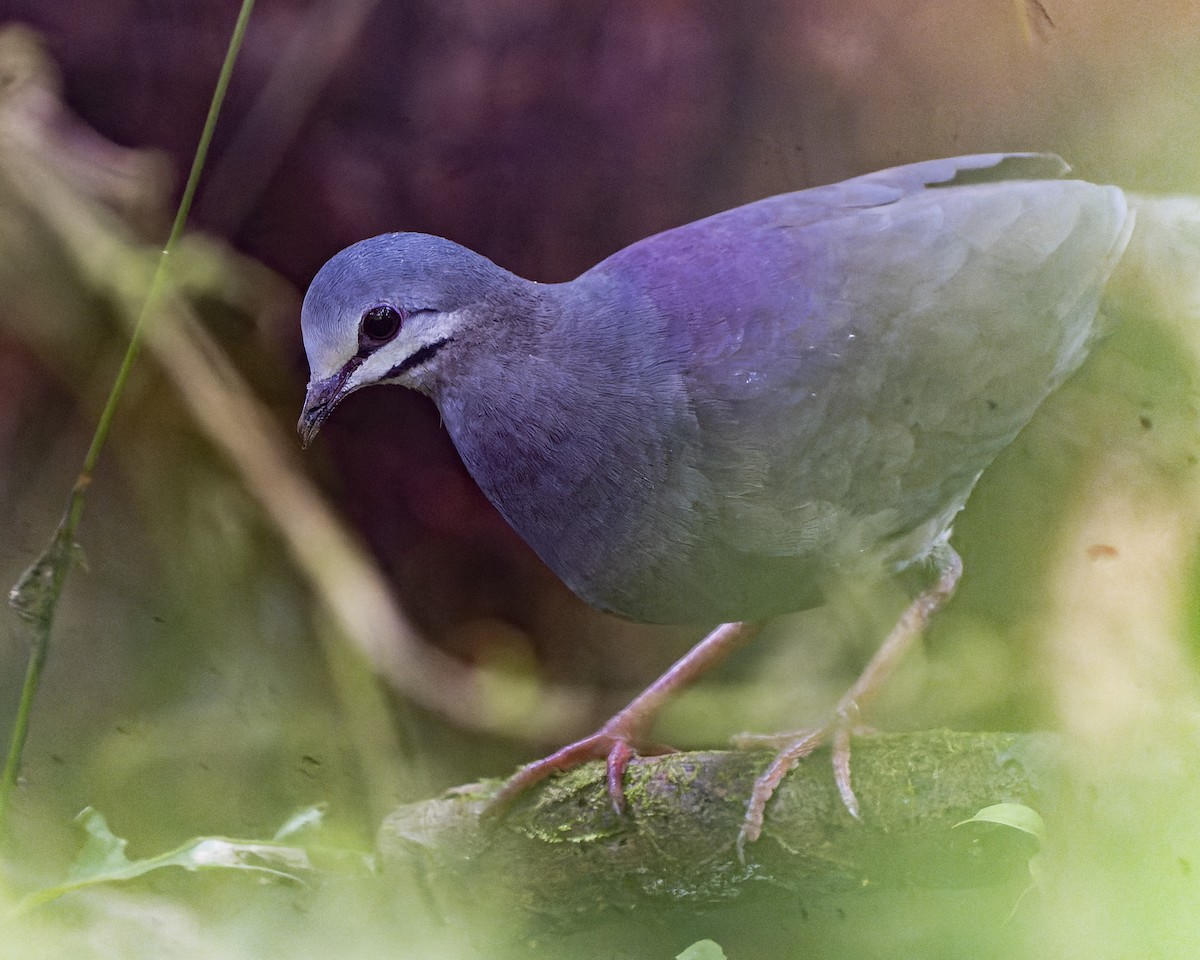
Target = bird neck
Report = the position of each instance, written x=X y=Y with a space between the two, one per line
x=565 y=423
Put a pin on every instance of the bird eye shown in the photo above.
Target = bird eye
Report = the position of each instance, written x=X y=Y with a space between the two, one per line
x=380 y=323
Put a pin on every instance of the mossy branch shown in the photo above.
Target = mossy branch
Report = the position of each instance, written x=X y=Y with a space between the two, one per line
x=562 y=854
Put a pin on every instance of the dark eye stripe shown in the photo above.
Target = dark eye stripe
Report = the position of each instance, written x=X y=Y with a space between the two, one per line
x=418 y=358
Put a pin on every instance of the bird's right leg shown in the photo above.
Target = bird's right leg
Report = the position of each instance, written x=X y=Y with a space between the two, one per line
x=625 y=735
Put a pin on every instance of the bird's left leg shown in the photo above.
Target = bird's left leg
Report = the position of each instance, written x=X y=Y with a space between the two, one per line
x=625 y=735
x=794 y=747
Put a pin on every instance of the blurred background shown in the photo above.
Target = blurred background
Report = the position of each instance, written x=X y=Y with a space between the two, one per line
x=198 y=683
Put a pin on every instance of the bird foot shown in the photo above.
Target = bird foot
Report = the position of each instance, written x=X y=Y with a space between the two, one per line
x=625 y=735
x=792 y=748
x=616 y=743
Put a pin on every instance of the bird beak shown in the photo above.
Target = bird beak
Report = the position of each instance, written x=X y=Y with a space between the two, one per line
x=321 y=398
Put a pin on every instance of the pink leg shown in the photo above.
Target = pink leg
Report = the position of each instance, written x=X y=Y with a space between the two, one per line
x=625 y=735
x=796 y=746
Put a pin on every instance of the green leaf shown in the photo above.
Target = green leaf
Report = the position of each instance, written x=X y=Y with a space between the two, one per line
x=702 y=950
x=302 y=820
x=103 y=859
x=1015 y=815
x=103 y=852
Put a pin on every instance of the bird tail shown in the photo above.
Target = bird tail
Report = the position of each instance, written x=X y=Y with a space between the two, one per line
x=1158 y=276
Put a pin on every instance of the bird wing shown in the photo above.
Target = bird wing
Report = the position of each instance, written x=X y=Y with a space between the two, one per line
x=856 y=354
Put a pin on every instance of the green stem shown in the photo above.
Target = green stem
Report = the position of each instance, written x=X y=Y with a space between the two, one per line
x=35 y=596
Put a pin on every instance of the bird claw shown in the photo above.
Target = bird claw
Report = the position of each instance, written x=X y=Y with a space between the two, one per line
x=623 y=737
x=792 y=748
x=612 y=743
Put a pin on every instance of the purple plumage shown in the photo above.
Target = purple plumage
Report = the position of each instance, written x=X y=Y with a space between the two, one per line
x=716 y=421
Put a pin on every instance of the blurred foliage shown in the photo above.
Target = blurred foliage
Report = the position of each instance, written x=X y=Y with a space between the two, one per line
x=197 y=688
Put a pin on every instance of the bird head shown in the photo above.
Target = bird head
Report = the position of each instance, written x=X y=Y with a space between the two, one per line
x=388 y=310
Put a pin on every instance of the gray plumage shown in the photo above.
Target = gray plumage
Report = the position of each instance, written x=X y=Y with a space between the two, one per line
x=716 y=421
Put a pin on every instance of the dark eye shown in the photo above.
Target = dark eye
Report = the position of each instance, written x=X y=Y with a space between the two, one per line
x=380 y=323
